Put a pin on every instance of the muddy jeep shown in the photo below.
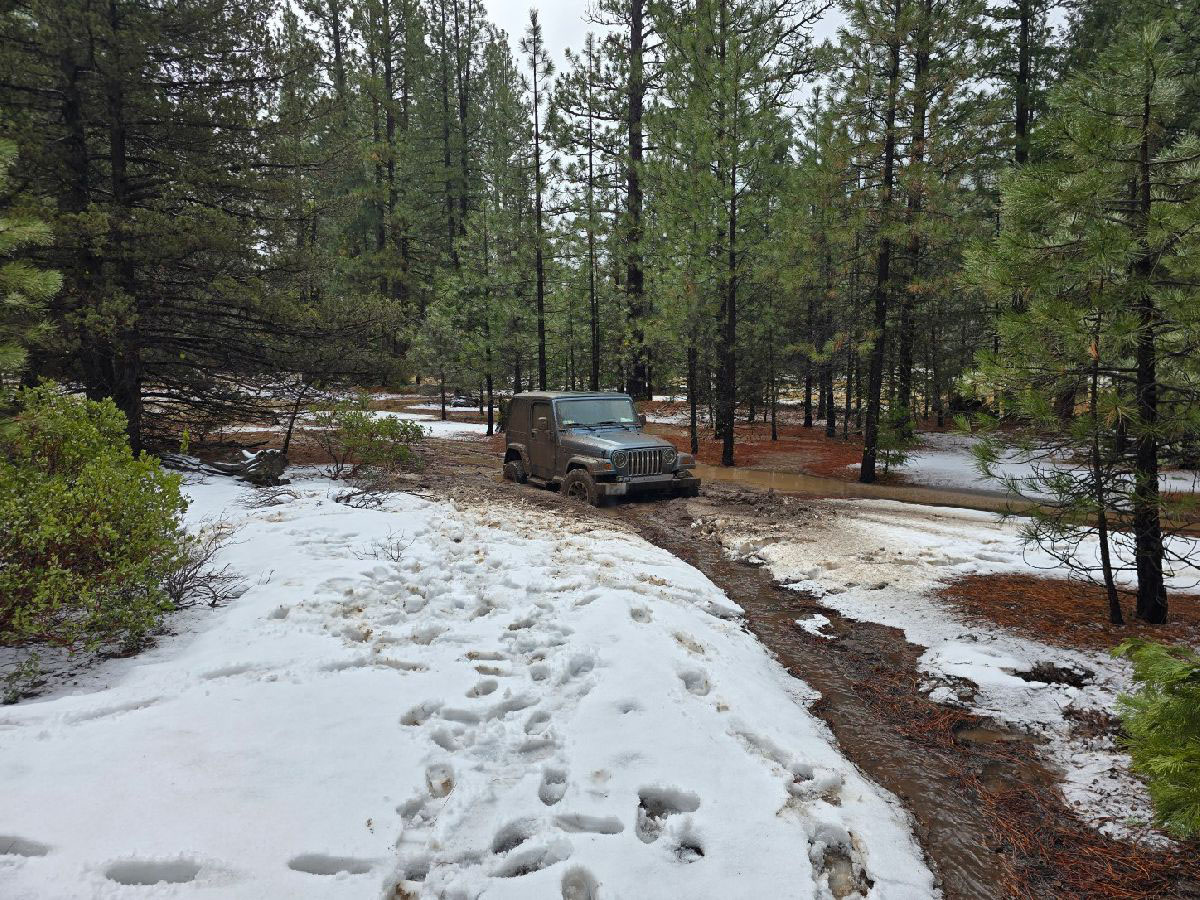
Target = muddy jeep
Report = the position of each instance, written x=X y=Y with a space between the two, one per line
x=591 y=446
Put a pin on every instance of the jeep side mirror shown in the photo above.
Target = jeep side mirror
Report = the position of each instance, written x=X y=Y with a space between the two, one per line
x=543 y=423
x=641 y=420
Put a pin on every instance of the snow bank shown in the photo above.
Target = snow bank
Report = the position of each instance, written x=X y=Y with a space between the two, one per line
x=471 y=702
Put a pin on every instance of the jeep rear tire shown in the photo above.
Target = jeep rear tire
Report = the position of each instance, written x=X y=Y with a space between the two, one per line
x=514 y=470
x=580 y=485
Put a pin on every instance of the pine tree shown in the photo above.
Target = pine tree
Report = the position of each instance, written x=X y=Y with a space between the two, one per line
x=1101 y=243
x=730 y=69
x=24 y=288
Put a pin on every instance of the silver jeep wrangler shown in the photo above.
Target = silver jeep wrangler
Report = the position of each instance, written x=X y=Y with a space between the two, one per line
x=591 y=446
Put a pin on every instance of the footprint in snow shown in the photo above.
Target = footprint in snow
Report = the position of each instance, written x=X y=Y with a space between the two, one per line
x=656 y=805
x=483 y=688
x=696 y=682
x=513 y=835
x=579 y=823
x=534 y=859
x=148 y=871
x=439 y=780
x=320 y=864
x=11 y=845
x=579 y=884
x=537 y=722
x=553 y=786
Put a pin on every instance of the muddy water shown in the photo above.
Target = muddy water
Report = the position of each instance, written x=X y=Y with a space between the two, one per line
x=938 y=784
x=817 y=486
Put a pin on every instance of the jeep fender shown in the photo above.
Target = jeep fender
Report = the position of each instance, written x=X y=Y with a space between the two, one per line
x=596 y=467
x=517 y=451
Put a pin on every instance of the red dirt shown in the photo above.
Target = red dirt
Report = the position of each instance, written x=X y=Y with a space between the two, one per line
x=1066 y=613
x=799 y=449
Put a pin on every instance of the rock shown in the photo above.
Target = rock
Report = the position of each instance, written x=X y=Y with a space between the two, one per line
x=263 y=469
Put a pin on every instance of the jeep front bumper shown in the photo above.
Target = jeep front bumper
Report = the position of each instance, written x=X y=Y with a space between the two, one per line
x=636 y=484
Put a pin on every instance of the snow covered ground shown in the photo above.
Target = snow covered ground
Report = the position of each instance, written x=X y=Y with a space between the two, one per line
x=463 y=701
x=945 y=459
x=881 y=561
x=435 y=427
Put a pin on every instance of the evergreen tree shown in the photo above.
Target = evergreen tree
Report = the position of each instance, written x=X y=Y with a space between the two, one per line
x=1101 y=242
x=24 y=288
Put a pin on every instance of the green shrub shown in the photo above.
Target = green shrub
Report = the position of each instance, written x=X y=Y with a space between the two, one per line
x=89 y=534
x=356 y=440
x=1162 y=719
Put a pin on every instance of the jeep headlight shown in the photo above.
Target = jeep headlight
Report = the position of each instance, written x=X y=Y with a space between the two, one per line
x=669 y=457
x=620 y=458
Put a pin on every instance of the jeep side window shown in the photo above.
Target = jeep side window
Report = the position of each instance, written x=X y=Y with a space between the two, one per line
x=520 y=417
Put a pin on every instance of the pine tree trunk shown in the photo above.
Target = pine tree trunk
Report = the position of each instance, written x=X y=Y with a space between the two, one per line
x=882 y=265
x=1147 y=528
x=692 y=389
x=635 y=288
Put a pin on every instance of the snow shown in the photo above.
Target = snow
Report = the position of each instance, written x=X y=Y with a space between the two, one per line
x=945 y=459
x=881 y=561
x=815 y=624
x=436 y=427
x=474 y=701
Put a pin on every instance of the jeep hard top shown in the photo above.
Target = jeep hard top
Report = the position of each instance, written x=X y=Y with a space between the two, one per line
x=591 y=446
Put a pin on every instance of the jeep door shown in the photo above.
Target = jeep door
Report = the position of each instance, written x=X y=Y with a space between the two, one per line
x=542 y=440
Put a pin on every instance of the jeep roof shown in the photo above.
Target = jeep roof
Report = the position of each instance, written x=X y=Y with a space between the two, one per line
x=565 y=395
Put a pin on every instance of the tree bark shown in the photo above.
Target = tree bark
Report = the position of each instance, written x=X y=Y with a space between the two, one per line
x=1147 y=527
x=883 y=262
x=639 y=386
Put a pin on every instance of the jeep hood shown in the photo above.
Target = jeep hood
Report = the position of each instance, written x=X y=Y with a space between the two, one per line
x=602 y=443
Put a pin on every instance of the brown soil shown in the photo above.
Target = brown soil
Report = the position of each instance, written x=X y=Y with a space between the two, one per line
x=798 y=449
x=1065 y=613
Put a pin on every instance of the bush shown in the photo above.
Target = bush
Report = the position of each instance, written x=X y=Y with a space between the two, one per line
x=89 y=534
x=1162 y=720
x=357 y=440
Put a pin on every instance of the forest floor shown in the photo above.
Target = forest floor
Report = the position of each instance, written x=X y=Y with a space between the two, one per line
x=477 y=689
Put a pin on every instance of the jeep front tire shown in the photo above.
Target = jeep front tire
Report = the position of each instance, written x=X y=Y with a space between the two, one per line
x=514 y=470
x=580 y=485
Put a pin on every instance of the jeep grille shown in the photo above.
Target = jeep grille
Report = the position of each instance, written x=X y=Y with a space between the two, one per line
x=645 y=462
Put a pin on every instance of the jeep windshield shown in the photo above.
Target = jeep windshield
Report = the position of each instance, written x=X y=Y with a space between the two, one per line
x=599 y=411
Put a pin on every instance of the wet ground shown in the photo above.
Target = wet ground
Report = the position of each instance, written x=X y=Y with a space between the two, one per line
x=987 y=813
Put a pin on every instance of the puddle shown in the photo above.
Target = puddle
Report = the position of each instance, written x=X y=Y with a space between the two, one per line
x=818 y=486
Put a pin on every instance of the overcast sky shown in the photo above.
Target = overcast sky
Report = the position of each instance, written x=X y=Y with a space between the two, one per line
x=564 y=25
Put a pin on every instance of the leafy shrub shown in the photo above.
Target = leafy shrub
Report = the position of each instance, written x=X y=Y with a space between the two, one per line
x=89 y=534
x=1162 y=719
x=356 y=440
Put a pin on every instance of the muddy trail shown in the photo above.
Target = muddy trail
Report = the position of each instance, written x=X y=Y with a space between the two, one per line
x=867 y=677
x=987 y=812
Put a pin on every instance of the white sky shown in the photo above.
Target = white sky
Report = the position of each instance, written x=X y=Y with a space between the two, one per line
x=564 y=24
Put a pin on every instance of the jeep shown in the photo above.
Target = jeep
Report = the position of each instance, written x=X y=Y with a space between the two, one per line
x=590 y=446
